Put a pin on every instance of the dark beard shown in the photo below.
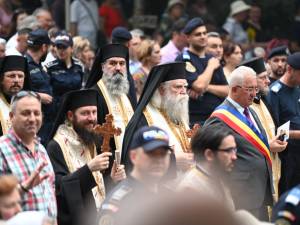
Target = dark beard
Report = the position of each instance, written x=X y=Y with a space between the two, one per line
x=88 y=138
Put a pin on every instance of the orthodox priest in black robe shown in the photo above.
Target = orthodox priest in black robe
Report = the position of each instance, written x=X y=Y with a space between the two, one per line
x=164 y=103
x=11 y=83
x=110 y=78
x=80 y=186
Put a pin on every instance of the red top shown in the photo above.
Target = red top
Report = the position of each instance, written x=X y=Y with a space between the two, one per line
x=112 y=18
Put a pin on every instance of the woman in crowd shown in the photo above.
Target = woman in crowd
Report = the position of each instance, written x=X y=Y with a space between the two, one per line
x=232 y=57
x=81 y=51
x=149 y=55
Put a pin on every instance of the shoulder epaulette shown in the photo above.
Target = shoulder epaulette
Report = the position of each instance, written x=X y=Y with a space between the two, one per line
x=119 y=194
x=293 y=197
x=52 y=63
x=276 y=87
x=186 y=55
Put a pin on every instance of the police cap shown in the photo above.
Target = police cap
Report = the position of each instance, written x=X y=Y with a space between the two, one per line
x=121 y=33
x=294 y=60
x=281 y=50
x=38 y=37
x=192 y=25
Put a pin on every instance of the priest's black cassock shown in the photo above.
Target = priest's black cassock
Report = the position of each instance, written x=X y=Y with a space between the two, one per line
x=104 y=53
x=75 y=201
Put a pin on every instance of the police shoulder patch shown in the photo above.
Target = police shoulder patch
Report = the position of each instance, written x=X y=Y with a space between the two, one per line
x=276 y=87
x=119 y=194
x=189 y=67
x=52 y=63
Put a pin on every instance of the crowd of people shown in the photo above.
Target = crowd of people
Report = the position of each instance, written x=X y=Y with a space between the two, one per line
x=114 y=126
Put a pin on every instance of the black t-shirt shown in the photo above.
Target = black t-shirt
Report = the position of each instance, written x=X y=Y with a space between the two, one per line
x=201 y=108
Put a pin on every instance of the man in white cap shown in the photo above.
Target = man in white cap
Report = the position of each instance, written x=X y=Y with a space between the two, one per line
x=233 y=25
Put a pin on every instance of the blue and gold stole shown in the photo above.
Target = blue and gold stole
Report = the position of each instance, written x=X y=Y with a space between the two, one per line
x=236 y=121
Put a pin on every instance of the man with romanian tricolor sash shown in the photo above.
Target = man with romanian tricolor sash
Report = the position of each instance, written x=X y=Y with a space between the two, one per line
x=14 y=76
x=260 y=107
x=251 y=177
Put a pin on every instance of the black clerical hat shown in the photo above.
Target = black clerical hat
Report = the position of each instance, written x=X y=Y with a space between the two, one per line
x=13 y=62
x=257 y=64
x=73 y=100
x=104 y=53
x=158 y=74
x=16 y=63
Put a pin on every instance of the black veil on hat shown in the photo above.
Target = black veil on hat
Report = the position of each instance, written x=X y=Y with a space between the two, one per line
x=158 y=74
x=104 y=53
x=257 y=64
x=71 y=101
x=17 y=63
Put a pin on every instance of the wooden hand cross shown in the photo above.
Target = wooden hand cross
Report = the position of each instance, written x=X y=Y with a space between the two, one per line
x=107 y=130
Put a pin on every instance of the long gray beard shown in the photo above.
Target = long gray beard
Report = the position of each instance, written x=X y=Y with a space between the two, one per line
x=175 y=107
x=116 y=84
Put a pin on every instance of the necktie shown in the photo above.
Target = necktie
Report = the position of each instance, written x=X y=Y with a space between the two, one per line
x=247 y=114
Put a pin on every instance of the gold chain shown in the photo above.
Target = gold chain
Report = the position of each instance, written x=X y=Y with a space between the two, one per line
x=181 y=136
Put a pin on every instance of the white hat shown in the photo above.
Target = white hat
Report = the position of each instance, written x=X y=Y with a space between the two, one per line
x=238 y=6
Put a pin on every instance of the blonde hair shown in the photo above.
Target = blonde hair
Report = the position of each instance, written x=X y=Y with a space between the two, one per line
x=7 y=184
x=80 y=43
x=145 y=50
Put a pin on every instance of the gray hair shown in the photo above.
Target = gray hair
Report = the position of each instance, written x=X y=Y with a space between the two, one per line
x=28 y=22
x=137 y=33
x=237 y=76
x=213 y=34
x=2 y=41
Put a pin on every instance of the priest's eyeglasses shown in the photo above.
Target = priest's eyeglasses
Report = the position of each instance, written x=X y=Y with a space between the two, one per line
x=228 y=150
x=250 y=89
x=23 y=94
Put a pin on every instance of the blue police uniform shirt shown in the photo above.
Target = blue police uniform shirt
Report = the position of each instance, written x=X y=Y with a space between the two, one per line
x=288 y=207
x=201 y=108
x=40 y=79
x=285 y=104
x=40 y=82
x=64 y=79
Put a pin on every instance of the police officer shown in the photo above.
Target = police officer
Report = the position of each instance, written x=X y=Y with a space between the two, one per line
x=277 y=60
x=38 y=44
x=287 y=209
x=65 y=72
x=207 y=83
x=150 y=156
x=284 y=100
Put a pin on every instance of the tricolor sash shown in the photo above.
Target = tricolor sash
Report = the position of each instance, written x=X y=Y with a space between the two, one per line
x=243 y=127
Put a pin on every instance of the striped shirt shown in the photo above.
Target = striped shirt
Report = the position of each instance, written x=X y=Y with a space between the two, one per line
x=17 y=159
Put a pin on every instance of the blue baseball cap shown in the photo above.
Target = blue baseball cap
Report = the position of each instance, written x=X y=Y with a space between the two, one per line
x=64 y=40
x=150 y=138
x=38 y=37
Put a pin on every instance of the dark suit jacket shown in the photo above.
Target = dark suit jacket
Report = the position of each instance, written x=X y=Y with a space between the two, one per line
x=251 y=178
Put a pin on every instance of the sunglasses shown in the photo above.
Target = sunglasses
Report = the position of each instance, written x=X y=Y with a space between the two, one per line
x=23 y=94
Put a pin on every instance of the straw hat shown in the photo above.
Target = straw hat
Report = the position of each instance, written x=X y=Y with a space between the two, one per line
x=238 y=6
